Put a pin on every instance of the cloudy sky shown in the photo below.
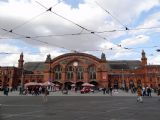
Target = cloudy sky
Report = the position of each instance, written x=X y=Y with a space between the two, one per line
x=119 y=28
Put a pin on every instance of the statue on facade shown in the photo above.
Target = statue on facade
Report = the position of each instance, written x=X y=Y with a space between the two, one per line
x=48 y=59
x=103 y=56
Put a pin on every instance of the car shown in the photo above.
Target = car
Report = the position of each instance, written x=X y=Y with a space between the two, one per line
x=85 y=90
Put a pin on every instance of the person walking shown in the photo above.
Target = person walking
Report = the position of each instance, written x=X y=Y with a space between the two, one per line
x=149 y=91
x=139 y=95
x=110 y=91
x=46 y=93
x=104 y=90
x=143 y=91
x=158 y=91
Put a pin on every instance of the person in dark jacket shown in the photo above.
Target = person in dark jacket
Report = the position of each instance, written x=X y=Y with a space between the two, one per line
x=149 y=91
x=158 y=91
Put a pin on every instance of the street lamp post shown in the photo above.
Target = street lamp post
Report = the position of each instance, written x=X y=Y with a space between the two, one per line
x=156 y=77
x=50 y=71
x=75 y=64
x=22 y=80
x=123 y=81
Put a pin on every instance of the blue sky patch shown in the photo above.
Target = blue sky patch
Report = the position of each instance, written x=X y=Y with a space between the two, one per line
x=74 y=3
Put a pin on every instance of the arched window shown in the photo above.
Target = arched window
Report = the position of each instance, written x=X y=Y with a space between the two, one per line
x=79 y=73
x=92 y=73
x=70 y=73
x=57 y=71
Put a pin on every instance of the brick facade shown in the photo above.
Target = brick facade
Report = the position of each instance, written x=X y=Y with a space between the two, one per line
x=78 y=68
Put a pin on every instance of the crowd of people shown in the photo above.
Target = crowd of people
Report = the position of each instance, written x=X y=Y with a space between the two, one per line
x=38 y=90
x=141 y=91
x=145 y=91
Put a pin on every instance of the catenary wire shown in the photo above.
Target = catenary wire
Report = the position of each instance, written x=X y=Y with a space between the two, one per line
x=31 y=19
x=46 y=43
x=98 y=32
x=126 y=28
x=83 y=28
x=88 y=33
x=32 y=38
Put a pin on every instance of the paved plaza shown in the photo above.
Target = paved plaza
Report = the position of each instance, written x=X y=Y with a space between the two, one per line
x=92 y=107
x=73 y=93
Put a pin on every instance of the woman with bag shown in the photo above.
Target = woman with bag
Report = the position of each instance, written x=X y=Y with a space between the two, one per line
x=139 y=95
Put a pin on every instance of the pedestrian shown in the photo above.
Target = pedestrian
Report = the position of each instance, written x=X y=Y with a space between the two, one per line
x=139 y=95
x=104 y=90
x=143 y=91
x=158 y=91
x=149 y=91
x=76 y=89
x=6 y=90
x=110 y=90
x=46 y=93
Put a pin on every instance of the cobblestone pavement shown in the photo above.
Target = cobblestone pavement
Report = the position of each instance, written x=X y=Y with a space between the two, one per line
x=79 y=108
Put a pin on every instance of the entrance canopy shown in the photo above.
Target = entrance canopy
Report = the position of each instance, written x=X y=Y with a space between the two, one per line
x=33 y=84
x=87 y=84
x=48 y=84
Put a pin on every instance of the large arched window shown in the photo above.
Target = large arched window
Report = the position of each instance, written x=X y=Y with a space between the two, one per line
x=57 y=72
x=79 y=73
x=70 y=73
x=92 y=73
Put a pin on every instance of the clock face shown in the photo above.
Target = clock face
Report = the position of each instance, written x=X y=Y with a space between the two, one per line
x=75 y=64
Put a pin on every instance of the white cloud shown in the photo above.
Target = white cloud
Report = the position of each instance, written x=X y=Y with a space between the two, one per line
x=154 y=59
x=88 y=15
x=8 y=48
x=8 y=59
x=140 y=39
x=151 y=21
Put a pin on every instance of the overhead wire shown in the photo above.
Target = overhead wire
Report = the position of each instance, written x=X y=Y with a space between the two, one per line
x=126 y=28
x=46 y=43
x=32 y=38
x=90 y=32
x=50 y=9
x=31 y=19
x=28 y=37
x=49 y=44
x=80 y=33
x=60 y=35
x=20 y=25
x=80 y=26
x=98 y=32
x=131 y=29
